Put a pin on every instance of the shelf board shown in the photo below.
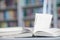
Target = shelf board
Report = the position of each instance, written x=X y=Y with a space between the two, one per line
x=8 y=20
x=29 y=17
x=7 y=8
x=32 y=6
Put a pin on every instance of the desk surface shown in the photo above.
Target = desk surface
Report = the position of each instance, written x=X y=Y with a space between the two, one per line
x=36 y=38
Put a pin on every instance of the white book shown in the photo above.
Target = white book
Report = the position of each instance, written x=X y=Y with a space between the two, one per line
x=42 y=26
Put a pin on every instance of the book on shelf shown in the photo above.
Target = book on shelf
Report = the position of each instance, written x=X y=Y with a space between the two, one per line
x=2 y=4
x=4 y=24
x=25 y=14
x=27 y=23
x=32 y=23
x=10 y=15
x=58 y=24
x=29 y=12
x=10 y=3
x=28 y=2
x=1 y=16
x=39 y=2
x=12 y=24
x=32 y=2
x=58 y=11
x=38 y=10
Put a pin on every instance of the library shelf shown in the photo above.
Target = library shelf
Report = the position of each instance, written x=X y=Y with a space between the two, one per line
x=8 y=8
x=29 y=17
x=32 y=6
x=8 y=21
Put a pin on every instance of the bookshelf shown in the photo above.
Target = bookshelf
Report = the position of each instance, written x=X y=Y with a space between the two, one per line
x=58 y=13
x=31 y=7
x=36 y=6
x=8 y=13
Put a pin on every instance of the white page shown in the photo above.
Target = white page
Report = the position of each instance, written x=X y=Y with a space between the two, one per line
x=42 y=21
x=53 y=31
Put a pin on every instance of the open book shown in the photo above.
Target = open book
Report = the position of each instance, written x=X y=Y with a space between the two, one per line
x=42 y=26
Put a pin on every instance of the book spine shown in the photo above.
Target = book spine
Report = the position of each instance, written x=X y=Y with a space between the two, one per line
x=25 y=14
x=7 y=15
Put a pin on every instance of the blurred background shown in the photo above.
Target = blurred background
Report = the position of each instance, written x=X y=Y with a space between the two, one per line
x=16 y=13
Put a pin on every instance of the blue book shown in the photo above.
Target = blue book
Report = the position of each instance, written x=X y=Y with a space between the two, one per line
x=7 y=15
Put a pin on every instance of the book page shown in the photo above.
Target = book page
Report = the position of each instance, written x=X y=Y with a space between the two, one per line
x=42 y=21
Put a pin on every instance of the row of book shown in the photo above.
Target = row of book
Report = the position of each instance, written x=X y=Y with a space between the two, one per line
x=34 y=2
x=58 y=9
x=8 y=15
x=8 y=24
x=32 y=11
x=9 y=3
x=29 y=23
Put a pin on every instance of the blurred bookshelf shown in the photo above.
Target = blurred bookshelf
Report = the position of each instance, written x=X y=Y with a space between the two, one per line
x=8 y=13
x=58 y=12
x=31 y=7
